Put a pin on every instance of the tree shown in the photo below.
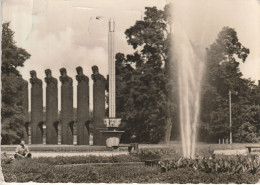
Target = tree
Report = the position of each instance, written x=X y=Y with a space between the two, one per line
x=12 y=84
x=249 y=130
x=143 y=78
x=222 y=75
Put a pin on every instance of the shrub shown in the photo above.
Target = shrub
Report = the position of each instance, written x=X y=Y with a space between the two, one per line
x=156 y=153
x=238 y=164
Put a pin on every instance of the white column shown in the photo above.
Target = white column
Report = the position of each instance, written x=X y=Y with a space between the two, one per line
x=111 y=70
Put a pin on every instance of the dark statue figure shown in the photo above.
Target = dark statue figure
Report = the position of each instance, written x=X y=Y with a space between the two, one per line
x=65 y=80
x=96 y=76
x=49 y=79
x=34 y=80
x=81 y=78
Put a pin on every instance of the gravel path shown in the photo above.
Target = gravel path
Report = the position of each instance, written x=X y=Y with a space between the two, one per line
x=70 y=154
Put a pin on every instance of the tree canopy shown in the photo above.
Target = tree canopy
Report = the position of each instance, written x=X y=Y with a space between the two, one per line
x=142 y=78
x=223 y=75
x=12 y=86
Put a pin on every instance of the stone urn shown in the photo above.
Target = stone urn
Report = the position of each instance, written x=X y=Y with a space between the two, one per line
x=112 y=135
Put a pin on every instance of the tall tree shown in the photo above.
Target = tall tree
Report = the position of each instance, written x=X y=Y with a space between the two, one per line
x=12 y=83
x=142 y=78
x=223 y=75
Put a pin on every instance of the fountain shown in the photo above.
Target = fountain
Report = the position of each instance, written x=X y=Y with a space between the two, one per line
x=189 y=62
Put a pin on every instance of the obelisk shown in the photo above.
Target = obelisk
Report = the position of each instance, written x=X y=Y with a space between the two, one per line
x=111 y=70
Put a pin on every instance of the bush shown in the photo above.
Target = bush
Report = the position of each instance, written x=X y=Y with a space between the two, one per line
x=238 y=164
x=156 y=153
x=247 y=133
x=170 y=152
x=189 y=175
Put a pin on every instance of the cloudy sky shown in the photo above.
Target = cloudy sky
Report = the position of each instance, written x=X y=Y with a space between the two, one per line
x=66 y=33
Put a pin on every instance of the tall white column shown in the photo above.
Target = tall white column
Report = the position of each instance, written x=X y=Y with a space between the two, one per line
x=111 y=70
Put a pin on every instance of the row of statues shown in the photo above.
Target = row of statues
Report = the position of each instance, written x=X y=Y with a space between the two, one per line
x=67 y=123
x=64 y=78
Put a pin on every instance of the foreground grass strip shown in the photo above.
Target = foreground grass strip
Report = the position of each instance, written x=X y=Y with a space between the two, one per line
x=43 y=170
x=103 y=164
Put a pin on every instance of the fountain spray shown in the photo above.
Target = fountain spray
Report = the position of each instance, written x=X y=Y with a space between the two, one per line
x=190 y=63
x=195 y=26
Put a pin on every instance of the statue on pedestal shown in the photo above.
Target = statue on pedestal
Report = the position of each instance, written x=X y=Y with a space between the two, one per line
x=96 y=75
x=81 y=78
x=65 y=80
x=34 y=80
x=49 y=79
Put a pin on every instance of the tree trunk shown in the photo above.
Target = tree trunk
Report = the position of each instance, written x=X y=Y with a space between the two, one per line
x=168 y=129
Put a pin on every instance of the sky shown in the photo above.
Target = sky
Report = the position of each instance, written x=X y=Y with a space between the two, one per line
x=202 y=20
x=66 y=33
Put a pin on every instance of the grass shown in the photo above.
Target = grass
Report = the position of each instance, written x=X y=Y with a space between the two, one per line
x=45 y=170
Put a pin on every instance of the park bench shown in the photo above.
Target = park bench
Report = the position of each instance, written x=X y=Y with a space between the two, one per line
x=250 y=147
x=131 y=146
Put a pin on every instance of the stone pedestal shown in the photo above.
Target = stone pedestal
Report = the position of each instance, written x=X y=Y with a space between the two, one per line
x=66 y=108
x=82 y=108
x=98 y=106
x=112 y=135
x=51 y=108
x=36 y=109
